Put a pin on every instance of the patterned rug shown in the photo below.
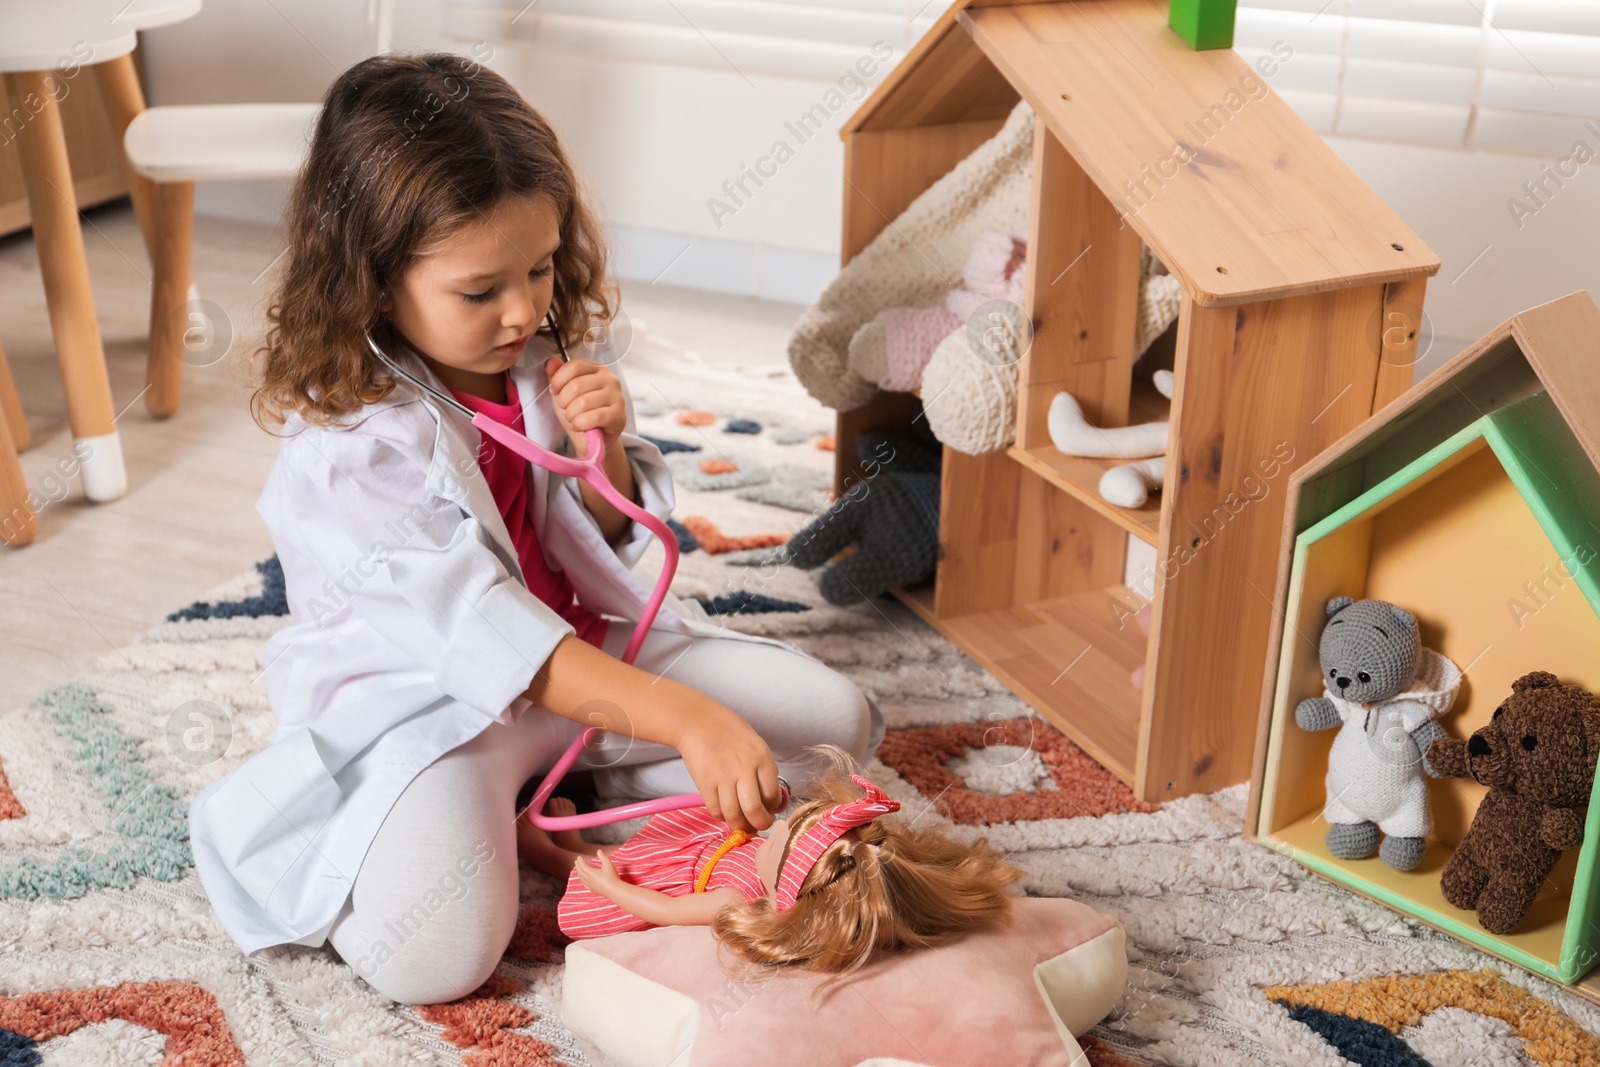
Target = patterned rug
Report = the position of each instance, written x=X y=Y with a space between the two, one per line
x=110 y=954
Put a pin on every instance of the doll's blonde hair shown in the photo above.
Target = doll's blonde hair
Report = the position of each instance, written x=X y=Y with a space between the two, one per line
x=881 y=887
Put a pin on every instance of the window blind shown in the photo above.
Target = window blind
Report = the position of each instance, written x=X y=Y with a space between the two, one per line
x=1510 y=75
x=806 y=38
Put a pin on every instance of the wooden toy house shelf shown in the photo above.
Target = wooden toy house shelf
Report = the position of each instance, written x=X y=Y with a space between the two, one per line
x=1473 y=501
x=1302 y=295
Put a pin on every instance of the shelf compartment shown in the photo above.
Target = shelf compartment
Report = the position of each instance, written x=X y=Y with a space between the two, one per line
x=1506 y=498
x=1267 y=384
x=1070 y=657
x=1536 y=944
x=1080 y=476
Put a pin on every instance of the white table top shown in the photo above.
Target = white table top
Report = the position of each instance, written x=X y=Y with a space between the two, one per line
x=63 y=35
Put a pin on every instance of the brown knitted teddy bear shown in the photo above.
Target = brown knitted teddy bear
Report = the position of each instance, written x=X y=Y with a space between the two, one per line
x=1537 y=756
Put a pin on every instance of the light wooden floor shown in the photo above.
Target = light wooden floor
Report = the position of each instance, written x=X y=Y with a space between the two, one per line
x=99 y=574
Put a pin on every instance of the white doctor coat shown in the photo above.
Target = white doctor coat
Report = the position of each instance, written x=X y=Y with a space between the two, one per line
x=413 y=631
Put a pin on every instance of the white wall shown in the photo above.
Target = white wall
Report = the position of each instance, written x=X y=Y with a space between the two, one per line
x=655 y=140
x=656 y=144
x=652 y=141
x=1456 y=201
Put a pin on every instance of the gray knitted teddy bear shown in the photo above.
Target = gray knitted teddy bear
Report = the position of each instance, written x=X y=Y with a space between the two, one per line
x=891 y=516
x=1384 y=691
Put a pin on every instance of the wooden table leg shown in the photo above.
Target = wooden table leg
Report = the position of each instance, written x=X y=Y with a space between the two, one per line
x=166 y=217
x=11 y=407
x=42 y=151
x=124 y=99
x=18 y=523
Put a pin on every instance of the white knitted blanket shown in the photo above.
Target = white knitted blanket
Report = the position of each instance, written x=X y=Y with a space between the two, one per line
x=915 y=262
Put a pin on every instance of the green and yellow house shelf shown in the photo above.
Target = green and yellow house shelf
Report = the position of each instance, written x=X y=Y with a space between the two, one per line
x=1474 y=500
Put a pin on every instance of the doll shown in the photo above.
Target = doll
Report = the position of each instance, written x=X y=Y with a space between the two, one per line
x=827 y=889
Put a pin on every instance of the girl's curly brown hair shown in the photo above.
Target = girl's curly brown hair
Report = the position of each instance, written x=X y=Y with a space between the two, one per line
x=407 y=149
x=881 y=887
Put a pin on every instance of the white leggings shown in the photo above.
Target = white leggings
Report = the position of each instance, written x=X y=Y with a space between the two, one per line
x=435 y=901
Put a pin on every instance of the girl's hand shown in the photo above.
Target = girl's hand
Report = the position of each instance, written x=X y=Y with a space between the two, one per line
x=586 y=396
x=730 y=764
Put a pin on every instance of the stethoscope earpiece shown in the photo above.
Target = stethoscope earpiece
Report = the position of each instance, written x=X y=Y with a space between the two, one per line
x=549 y=317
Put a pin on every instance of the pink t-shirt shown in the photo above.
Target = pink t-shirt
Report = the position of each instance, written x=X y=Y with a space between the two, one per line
x=507 y=475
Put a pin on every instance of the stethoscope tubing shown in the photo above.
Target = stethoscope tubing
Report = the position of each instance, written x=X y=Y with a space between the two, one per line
x=591 y=469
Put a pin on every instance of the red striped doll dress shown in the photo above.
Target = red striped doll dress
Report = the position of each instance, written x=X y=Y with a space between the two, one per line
x=665 y=855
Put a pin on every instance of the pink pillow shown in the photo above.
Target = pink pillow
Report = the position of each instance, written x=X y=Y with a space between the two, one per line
x=1017 y=995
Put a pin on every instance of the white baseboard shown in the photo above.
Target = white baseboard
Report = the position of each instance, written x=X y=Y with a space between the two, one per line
x=689 y=261
x=255 y=201
x=740 y=268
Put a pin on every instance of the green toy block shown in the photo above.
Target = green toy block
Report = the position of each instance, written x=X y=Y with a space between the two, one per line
x=1203 y=23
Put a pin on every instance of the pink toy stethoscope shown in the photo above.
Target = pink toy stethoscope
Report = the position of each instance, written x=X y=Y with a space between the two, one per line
x=590 y=469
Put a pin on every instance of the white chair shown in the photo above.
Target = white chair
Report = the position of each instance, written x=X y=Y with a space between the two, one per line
x=173 y=146
x=124 y=99
x=168 y=149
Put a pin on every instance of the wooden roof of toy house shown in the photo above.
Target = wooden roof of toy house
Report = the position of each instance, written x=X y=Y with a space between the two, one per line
x=1231 y=189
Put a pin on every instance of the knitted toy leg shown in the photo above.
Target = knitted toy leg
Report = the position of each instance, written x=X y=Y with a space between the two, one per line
x=993 y=266
x=899 y=543
x=826 y=535
x=1130 y=485
x=1352 y=840
x=1072 y=434
x=911 y=513
x=970 y=397
x=1402 y=853
x=895 y=346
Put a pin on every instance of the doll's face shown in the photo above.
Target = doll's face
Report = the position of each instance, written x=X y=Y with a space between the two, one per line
x=769 y=855
x=471 y=299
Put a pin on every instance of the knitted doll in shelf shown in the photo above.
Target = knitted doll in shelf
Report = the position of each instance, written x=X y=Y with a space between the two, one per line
x=802 y=895
x=1537 y=756
x=978 y=336
x=913 y=262
x=1384 y=691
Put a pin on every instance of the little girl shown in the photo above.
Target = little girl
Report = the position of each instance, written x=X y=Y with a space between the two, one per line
x=458 y=613
x=827 y=889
